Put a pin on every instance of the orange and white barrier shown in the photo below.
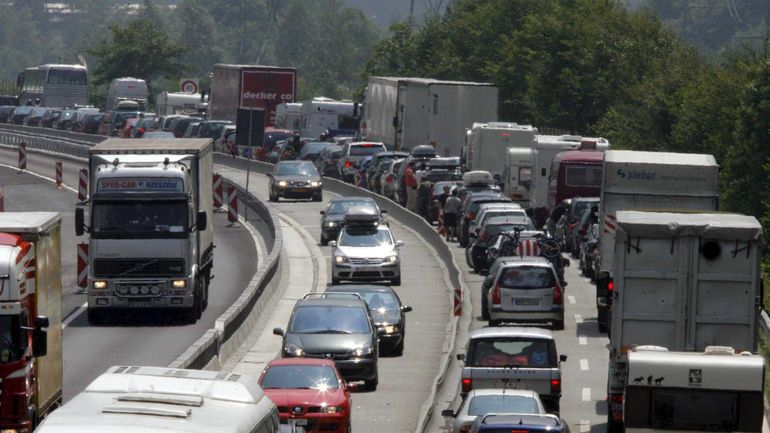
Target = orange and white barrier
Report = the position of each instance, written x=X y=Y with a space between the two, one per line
x=458 y=302
x=83 y=185
x=232 y=208
x=83 y=265
x=217 y=191
x=528 y=248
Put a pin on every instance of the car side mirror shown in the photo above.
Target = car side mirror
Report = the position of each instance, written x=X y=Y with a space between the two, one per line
x=461 y=357
x=449 y=413
x=201 y=221
x=269 y=174
x=278 y=331
x=323 y=212
x=406 y=309
x=40 y=337
x=333 y=244
x=562 y=358
x=399 y=243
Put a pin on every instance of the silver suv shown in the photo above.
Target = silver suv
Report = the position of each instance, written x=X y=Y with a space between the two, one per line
x=514 y=358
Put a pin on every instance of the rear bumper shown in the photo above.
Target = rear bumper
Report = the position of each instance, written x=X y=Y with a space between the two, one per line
x=498 y=313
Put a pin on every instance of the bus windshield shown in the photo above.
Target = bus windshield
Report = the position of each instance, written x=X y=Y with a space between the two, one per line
x=67 y=77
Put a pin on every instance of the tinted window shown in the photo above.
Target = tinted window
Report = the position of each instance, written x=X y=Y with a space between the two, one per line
x=484 y=404
x=675 y=409
x=306 y=169
x=337 y=207
x=504 y=352
x=315 y=319
x=366 y=149
x=526 y=277
x=365 y=238
x=300 y=377
x=581 y=175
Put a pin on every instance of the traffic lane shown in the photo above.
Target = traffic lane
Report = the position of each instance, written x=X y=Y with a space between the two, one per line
x=404 y=382
x=159 y=338
x=584 y=374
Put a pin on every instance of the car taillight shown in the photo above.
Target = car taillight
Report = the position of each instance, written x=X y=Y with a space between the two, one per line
x=467 y=385
x=558 y=297
x=466 y=428
x=610 y=286
x=470 y=215
x=496 y=294
x=483 y=235
x=348 y=164
x=555 y=386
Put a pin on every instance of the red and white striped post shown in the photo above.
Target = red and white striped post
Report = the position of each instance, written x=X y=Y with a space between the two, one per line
x=58 y=174
x=83 y=265
x=458 y=302
x=217 y=191
x=232 y=209
x=22 y=156
x=83 y=185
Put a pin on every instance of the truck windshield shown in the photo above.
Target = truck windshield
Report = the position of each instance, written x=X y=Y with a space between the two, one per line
x=10 y=349
x=139 y=219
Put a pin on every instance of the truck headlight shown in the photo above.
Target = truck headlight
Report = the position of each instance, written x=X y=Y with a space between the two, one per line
x=282 y=183
x=179 y=284
x=100 y=284
x=340 y=259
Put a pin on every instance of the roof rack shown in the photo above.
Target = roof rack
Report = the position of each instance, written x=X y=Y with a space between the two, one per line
x=334 y=295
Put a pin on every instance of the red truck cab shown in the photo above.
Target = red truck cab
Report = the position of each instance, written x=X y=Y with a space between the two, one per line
x=575 y=173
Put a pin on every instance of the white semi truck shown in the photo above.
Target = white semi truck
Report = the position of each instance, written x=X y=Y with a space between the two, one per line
x=151 y=245
x=683 y=282
x=407 y=112
x=649 y=181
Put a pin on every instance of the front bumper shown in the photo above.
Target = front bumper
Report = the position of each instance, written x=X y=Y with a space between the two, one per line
x=118 y=294
x=298 y=191
x=366 y=272
x=389 y=342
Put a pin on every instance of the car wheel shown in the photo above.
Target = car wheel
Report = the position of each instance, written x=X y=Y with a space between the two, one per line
x=602 y=327
x=494 y=323
x=324 y=241
x=371 y=385
x=396 y=281
x=484 y=307
x=318 y=197
x=558 y=325
x=335 y=281
x=613 y=426
x=271 y=196
x=399 y=349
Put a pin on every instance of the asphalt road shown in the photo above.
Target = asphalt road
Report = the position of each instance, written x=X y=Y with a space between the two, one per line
x=405 y=381
x=89 y=350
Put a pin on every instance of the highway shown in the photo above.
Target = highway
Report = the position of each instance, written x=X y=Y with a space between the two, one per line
x=89 y=350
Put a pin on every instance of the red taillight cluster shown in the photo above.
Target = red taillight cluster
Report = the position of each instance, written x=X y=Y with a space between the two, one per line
x=467 y=384
x=348 y=164
x=555 y=386
x=496 y=295
x=610 y=286
x=558 y=295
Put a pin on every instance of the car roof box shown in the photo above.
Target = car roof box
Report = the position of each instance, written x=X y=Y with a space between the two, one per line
x=424 y=150
x=477 y=177
x=359 y=215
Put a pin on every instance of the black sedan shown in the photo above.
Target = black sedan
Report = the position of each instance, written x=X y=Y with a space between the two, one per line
x=334 y=215
x=295 y=179
x=387 y=313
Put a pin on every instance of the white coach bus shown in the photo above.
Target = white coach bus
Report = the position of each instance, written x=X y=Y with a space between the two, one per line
x=54 y=86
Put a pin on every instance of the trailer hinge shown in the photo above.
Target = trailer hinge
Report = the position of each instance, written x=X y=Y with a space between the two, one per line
x=738 y=250
x=635 y=247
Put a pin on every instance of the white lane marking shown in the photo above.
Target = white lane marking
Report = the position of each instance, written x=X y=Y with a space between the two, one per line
x=572 y=299
x=578 y=318
x=586 y=394
x=583 y=340
x=74 y=315
x=585 y=425
x=584 y=364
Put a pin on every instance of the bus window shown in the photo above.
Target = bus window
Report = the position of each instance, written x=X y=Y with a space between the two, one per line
x=583 y=175
x=67 y=77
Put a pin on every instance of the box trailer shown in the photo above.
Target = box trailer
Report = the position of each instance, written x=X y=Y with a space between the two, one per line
x=250 y=87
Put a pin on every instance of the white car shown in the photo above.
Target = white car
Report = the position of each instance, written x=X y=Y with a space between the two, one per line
x=480 y=402
x=365 y=250
x=352 y=154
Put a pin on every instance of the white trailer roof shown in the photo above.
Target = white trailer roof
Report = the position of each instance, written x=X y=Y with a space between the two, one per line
x=695 y=370
x=28 y=222
x=153 y=399
x=711 y=225
x=177 y=145
x=659 y=158
x=430 y=81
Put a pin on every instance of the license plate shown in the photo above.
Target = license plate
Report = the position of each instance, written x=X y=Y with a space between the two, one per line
x=299 y=190
x=367 y=269
x=299 y=421
x=526 y=301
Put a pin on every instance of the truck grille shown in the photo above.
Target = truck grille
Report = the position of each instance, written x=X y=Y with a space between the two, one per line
x=139 y=267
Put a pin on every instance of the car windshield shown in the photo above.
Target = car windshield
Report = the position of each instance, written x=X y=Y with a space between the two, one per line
x=141 y=219
x=380 y=301
x=505 y=352
x=304 y=169
x=526 y=277
x=211 y=129
x=365 y=238
x=483 y=404
x=366 y=149
x=329 y=319
x=337 y=207
x=313 y=148
x=319 y=377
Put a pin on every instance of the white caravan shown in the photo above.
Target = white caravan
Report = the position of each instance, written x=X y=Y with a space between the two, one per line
x=288 y=115
x=517 y=174
x=488 y=143
x=321 y=114
x=180 y=103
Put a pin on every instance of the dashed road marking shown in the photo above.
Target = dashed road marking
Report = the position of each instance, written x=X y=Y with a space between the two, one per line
x=585 y=426
x=572 y=299
x=586 y=394
x=578 y=318
x=584 y=364
x=583 y=340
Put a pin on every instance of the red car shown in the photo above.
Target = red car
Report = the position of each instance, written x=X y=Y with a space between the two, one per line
x=310 y=391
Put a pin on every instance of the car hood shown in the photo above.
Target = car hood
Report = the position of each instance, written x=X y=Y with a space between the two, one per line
x=295 y=177
x=381 y=251
x=329 y=343
x=305 y=397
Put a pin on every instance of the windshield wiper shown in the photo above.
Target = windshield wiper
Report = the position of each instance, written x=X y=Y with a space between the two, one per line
x=138 y=267
x=330 y=331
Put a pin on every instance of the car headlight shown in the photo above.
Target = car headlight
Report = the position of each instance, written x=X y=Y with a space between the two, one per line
x=331 y=409
x=315 y=183
x=340 y=259
x=363 y=351
x=332 y=224
x=292 y=349
x=282 y=183
x=392 y=259
x=391 y=329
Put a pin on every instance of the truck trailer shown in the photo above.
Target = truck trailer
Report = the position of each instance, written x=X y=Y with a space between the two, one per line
x=408 y=112
x=151 y=245
x=30 y=318
x=650 y=181
x=683 y=282
x=250 y=87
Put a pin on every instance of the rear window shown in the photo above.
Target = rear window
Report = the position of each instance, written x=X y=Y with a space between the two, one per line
x=526 y=277
x=508 y=352
x=366 y=149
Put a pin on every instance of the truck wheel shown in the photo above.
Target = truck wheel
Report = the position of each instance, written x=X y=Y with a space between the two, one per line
x=206 y=284
x=95 y=317
x=192 y=314
x=613 y=426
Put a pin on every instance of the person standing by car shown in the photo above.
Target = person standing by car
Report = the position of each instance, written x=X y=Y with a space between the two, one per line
x=424 y=195
x=556 y=215
x=450 y=209
x=410 y=180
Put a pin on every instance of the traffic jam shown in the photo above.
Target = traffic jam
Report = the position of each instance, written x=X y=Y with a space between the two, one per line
x=674 y=282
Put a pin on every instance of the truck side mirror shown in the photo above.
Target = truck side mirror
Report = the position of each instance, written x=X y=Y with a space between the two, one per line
x=562 y=358
x=40 y=337
x=201 y=220
x=80 y=225
x=461 y=357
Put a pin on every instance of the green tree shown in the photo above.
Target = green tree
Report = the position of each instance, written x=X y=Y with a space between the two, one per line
x=200 y=36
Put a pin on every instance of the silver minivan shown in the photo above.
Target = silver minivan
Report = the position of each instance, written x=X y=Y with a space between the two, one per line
x=526 y=289
x=513 y=357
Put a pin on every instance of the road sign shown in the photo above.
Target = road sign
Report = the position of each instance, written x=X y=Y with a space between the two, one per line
x=188 y=85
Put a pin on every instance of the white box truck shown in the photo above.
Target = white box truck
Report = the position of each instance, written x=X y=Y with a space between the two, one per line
x=407 y=112
x=126 y=89
x=130 y=399
x=683 y=281
x=151 y=244
x=488 y=143
x=323 y=114
x=649 y=181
